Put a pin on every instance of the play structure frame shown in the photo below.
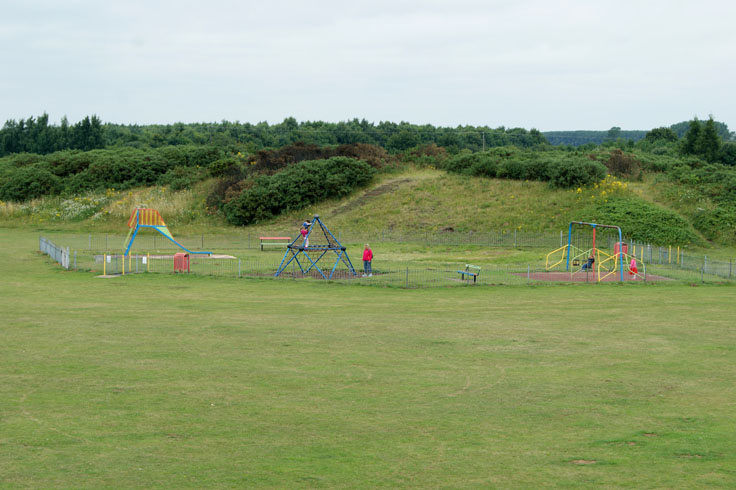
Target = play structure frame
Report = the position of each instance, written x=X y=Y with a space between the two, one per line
x=594 y=226
x=333 y=245
x=150 y=218
x=605 y=263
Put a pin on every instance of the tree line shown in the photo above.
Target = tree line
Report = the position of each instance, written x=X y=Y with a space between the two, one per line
x=36 y=135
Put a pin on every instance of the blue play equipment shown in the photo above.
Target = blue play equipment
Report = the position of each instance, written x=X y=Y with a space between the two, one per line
x=307 y=257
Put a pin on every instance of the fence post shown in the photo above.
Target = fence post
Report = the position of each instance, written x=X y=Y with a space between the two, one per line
x=730 y=268
x=406 y=285
x=705 y=263
x=90 y=242
x=75 y=260
x=238 y=267
x=202 y=241
x=105 y=242
x=528 y=270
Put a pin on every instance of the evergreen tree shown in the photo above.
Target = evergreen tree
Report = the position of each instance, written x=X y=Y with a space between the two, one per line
x=692 y=138
x=63 y=141
x=709 y=143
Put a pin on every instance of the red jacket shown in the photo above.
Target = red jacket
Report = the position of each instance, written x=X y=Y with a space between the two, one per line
x=367 y=254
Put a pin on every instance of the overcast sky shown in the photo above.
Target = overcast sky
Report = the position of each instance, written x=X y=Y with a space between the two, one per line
x=552 y=65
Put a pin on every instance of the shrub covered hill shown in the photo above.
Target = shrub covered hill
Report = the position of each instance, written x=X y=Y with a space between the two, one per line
x=665 y=188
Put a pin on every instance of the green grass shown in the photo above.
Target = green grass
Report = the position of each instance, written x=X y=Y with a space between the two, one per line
x=162 y=381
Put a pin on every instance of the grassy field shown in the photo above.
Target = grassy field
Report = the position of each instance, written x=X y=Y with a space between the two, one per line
x=161 y=381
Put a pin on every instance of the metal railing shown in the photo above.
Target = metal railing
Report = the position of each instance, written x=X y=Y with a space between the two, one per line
x=59 y=254
x=251 y=239
x=79 y=252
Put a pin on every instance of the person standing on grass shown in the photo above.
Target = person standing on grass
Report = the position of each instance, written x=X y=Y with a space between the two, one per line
x=367 y=259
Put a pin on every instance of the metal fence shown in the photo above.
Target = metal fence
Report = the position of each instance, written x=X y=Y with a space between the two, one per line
x=59 y=254
x=440 y=275
x=79 y=252
x=251 y=240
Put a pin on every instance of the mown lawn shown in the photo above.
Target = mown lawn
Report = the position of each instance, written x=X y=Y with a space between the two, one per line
x=161 y=381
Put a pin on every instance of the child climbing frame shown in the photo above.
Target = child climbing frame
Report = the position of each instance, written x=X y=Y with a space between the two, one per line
x=317 y=243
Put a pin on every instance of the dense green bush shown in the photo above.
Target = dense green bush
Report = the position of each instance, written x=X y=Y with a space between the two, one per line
x=297 y=186
x=29 y=182
x=575 y=171
x=78 y=172
x=481 y=163
x=716 y=224
x=641 y=220
x=560 y=169
x=225 y=167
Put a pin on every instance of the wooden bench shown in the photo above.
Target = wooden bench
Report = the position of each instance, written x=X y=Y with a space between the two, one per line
x=470 y=271
x=274 y=241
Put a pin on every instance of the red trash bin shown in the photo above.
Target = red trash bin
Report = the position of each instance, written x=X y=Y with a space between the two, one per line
x=181 y=262
x=621 y=247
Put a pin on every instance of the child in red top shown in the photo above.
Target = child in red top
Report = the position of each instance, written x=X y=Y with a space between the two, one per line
x=633 y=270
x=305 y=231
x=367 y=259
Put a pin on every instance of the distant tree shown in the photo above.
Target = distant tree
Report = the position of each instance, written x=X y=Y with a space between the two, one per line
x=728 y=153
x=709 y=144
x=614 y=133
x=403 y=140
x=537 y=137
x=661 y=134
x=691 y=140
x=63 y=138
x=682 y=127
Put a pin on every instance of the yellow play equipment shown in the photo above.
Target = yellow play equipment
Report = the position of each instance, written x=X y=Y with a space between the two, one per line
x=580 y=261
x=576 y=260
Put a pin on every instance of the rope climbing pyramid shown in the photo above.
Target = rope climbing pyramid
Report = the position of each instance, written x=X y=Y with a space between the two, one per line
x=314 y=244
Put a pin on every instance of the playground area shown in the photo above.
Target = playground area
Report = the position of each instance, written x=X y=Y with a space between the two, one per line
x=587 y=253
x=583 y=276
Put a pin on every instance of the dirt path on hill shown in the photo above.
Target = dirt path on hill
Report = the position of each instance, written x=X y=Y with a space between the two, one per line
x=384 y=188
